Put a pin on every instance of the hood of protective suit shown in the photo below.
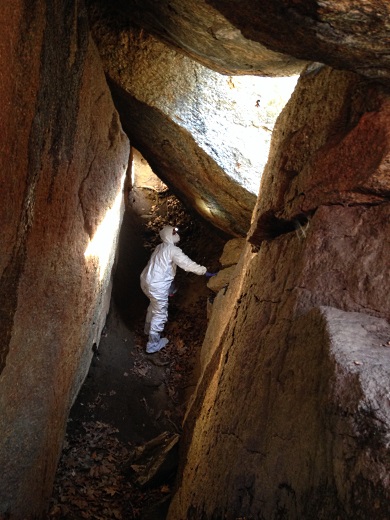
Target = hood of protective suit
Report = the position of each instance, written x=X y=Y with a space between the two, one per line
x=167 y=235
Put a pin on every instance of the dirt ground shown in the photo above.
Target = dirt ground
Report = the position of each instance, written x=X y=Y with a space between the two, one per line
x=121 y=448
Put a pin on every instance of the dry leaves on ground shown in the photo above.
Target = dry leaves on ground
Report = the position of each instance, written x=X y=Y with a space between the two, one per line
x=91 y=479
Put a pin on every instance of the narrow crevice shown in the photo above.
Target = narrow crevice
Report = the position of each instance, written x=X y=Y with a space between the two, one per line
x=270 y=226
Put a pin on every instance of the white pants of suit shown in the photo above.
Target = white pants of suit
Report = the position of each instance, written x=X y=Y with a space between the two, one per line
x=156 y=318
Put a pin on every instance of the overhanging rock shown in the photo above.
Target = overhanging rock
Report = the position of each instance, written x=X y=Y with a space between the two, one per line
x=204 y=34
x=201 y=132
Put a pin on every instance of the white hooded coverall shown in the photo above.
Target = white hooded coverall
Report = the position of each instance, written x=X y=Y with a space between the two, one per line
x=156 y=280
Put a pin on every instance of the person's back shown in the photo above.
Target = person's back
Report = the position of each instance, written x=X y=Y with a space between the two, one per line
x=160 y=270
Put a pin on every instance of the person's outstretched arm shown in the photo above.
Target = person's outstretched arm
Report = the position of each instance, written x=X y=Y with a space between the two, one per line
x=184 y=262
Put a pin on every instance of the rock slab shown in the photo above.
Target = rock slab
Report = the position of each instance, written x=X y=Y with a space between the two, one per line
x=63 y=156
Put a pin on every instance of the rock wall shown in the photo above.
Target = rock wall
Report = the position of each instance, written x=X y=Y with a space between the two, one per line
x=205 y=35
x=335 y=154
x=291 y=416
x=269 y=37
x=345 y=34
x=63 y=156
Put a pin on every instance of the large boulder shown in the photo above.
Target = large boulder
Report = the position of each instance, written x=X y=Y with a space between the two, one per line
x=203 y=33
x=201 y=132
x=289 y=418
x=332 y=153
x=343 y=34
x=271 y=37
x=63 y=156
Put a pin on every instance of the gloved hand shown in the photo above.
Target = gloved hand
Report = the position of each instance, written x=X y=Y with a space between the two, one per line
x=209 y=275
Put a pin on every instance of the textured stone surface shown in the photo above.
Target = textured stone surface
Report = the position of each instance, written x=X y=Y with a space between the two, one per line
x=201 y=132
x=207 y=36
x=219 y=316
x=276 y=404
x=293 y=397
x=325 y=153
x=347 y=34
x=291 y=417
x=229 y=258
x=222 y=279
x=63 y=155
x=232 y=251
x=251 y=37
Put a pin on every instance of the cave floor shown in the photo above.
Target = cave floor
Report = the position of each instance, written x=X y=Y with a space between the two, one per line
x=130 y=398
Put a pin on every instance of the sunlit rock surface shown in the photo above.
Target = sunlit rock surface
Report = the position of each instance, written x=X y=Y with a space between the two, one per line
x=293 y=397
x=205 y=134
x=63 y=155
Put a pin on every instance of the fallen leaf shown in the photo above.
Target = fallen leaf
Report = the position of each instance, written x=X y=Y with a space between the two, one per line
x=55 y=510
x=142 y=371
x=179 y=344
x=81 y=504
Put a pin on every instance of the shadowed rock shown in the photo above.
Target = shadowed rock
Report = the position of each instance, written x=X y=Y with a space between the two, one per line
x=343 y=34
x=63 y=156
x=204 y=34
x=272 y=36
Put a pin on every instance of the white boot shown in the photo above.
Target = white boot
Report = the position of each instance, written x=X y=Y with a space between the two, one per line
x=163 y=343
x=155 y=343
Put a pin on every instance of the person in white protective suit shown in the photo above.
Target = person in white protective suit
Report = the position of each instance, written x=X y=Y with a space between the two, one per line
x=156 y=280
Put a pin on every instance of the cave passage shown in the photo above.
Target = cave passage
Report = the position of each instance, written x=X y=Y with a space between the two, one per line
x=286 y=370
x=131 y=399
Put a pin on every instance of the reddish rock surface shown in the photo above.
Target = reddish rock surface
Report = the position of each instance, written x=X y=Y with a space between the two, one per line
x=63 y=155
x=290 y=418
x=293 y=397
x=331 y=146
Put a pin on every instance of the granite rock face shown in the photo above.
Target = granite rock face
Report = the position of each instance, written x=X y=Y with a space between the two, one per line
x=290 y=418
x=345 y=34
x=272 y=36
x=63 y=156
x=205 y=35
x=193 y=125
x=232 y=252
x=294 y=393
x=325 y=153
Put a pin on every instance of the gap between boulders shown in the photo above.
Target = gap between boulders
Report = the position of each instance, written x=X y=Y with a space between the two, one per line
x=121 y=448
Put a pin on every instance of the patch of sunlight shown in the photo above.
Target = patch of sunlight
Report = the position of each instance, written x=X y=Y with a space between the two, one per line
x=233 y=118
x=203 y=208
x=257 y=101
x=101 y=246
